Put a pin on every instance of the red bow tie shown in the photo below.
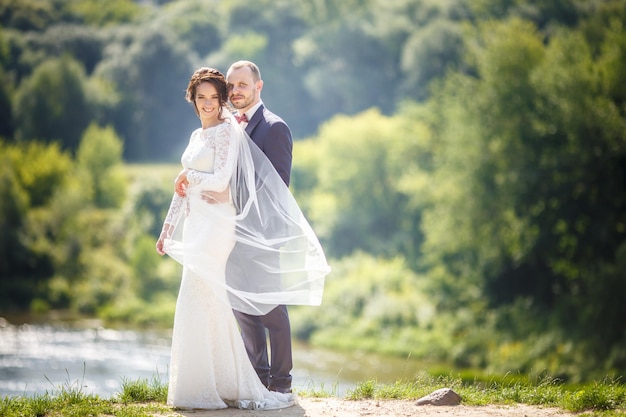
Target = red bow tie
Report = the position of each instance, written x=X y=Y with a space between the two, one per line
x=242 y=119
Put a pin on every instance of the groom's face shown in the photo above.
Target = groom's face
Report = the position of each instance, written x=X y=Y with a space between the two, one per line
x=244 y=91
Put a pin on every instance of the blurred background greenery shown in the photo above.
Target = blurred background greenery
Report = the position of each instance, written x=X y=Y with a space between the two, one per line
x=463 y=162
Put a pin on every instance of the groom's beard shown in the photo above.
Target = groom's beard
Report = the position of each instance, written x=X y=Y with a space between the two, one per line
x=243 y=102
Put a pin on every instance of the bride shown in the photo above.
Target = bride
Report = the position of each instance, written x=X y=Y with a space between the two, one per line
x=228 y=193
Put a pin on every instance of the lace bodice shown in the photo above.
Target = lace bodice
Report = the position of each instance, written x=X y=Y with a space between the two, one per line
x=210 y=158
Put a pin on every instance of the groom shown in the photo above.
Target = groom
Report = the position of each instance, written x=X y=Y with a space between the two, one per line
x=272 y=135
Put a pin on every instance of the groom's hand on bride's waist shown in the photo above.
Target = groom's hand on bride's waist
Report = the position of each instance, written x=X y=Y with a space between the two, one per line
x=215 y=197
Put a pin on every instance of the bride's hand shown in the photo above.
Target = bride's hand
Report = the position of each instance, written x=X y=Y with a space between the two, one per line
x=216 y=197
x=165 y=234
x=159 y=245
x=181 y=182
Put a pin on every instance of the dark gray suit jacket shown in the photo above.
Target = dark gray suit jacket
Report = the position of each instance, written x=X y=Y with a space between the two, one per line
x=272 y=135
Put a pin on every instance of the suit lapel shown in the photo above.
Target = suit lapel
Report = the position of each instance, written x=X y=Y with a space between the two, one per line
x=254 y=121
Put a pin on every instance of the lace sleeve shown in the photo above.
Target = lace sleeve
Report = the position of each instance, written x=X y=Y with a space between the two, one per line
x=175 y=210
x=225 y=143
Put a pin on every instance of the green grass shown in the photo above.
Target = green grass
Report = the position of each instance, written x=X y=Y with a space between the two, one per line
x=605 y=398
x=143 y=391
x=144 y=397
x=140 y=398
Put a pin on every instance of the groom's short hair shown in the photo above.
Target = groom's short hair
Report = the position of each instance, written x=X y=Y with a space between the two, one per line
x=256 y=72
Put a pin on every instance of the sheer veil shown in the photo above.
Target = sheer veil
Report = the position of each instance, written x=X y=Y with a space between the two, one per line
x=277 y=258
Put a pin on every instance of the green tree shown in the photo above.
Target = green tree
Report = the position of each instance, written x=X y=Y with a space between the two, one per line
x=359 y=200
x=197 y=28
x=98 y=162
x=84 y=43
x=371 y=305
x=348 y=69
x=151 y=69
x=38 y=15
x=13 y=274
x=53 y=104
x=79 y=230
x=27 y=14
x=542 y=14
x=530 y=167
x=429 y=53
x=30 y=176
x=41 y=170
x=473 y=226
x=583 y=124
x=6 y=111
x=98 y=13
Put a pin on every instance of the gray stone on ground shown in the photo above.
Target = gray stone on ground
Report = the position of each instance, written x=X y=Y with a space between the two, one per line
x=443 y=396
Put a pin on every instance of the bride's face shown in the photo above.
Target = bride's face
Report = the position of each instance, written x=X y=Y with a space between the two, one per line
x=208 y=104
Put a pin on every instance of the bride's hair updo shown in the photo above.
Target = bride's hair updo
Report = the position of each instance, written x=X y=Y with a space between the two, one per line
x=210 y=75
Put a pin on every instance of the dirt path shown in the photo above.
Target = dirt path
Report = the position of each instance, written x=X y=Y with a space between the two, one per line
x=335 y=407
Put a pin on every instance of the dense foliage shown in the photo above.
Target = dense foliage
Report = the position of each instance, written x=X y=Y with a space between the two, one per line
x=464 y=164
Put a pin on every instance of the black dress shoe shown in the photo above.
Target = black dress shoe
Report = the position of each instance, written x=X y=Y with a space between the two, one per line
x=279 y=389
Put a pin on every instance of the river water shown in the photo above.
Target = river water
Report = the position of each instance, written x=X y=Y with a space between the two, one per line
x=35 y=359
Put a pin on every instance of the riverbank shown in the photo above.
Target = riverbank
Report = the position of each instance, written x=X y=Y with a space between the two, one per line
x=147 y=398
x=40 y=356
x=336 y=407
x=78 y=355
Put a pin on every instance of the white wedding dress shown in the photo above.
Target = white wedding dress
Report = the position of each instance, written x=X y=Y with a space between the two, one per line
x=209 y=367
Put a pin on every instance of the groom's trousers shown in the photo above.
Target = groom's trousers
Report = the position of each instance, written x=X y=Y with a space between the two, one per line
x=275 y=373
